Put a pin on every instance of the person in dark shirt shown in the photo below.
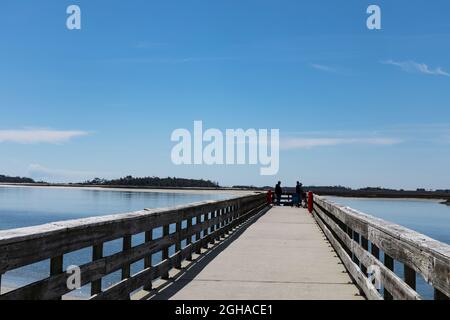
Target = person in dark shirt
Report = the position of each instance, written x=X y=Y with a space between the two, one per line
x=299 y=193
x=278 y=192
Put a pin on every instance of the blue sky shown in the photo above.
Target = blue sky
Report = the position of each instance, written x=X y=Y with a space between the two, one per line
x=357 y=107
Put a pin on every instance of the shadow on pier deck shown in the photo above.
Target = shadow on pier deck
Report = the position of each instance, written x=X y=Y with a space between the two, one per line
x=279 y=254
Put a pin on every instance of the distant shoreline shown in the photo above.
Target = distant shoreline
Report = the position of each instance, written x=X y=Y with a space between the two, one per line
x=389 y=195
x=196 y=190
x=444 y=196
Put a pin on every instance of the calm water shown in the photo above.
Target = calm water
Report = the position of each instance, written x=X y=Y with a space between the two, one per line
x=24 y=206
x=429 y=217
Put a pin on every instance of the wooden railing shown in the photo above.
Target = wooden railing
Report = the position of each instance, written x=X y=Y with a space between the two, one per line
x=197 y=225
x=353 y=234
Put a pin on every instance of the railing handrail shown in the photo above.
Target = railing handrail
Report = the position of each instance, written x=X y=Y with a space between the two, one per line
x=25 y=246
x=417 y=239
x=418 y=252
x=8 y=236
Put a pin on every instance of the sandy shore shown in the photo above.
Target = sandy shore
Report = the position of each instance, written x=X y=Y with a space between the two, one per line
x=234 y=192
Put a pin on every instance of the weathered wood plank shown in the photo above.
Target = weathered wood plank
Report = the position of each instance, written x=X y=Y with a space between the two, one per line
x=97 y=254
x=365 y=245
x=56 y=267
x=178 y=244
x=426 y=256
x=29 y=245
x=55 y=285
x=148 y=258
x=365 y=285
x=390 y=280
x=133 y=283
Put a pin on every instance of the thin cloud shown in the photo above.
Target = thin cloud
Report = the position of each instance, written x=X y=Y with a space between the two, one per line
x=415 y=67
x=323 y=68
x=304 y=143
x=32 y=136
x=39 y=172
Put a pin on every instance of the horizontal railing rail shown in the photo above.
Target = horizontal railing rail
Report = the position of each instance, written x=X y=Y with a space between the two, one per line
x=353 y=234
x=196 y=224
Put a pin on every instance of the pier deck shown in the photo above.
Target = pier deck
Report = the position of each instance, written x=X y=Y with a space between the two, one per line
x=283 y=254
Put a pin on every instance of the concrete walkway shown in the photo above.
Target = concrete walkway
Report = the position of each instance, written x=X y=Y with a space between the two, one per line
x=282 y=255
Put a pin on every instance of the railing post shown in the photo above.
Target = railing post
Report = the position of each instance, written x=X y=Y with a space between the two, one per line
x=223 y=223
x=97 y=254
x=213 y=227
x=365 y=245
x=389 y=263
x=349 y=232
x=230 y=219
x=198 y=235
x=205 y=231
x=165 y=251
x=56 y=267
x=356 y=238
x=148 y=259
x=218 y=225
x=409 y=276
x=126 y=270
x=189 y=238
x=178 y=245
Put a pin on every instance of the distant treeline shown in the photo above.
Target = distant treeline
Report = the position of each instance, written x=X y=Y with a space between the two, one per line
x=155 y=182
x=367 y=192
x=7 y=179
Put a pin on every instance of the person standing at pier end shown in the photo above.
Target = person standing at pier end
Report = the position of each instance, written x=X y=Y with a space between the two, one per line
x=299 y=193
x=278 y=192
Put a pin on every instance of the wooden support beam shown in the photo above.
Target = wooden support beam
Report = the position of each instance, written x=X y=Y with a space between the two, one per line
x=205 y=231
x=426 y=256
x=213 y=227
x=365 y=245
x=126 y=245
x=52 y=241
x=356 y=238
x=189 y=238
x=56 y=267
x=198 y=236
x=389 y=263
x=148 y=259
x=165 y=251
x=218 y=225
x=97 y=254
x=178 y=245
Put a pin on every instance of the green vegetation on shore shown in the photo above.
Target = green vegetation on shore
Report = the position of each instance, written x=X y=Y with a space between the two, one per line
x=154 y=182
x=173 y=182
x=7 y=179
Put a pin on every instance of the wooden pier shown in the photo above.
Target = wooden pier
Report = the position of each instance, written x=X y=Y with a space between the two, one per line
x=281 y=254
x=240 y=248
